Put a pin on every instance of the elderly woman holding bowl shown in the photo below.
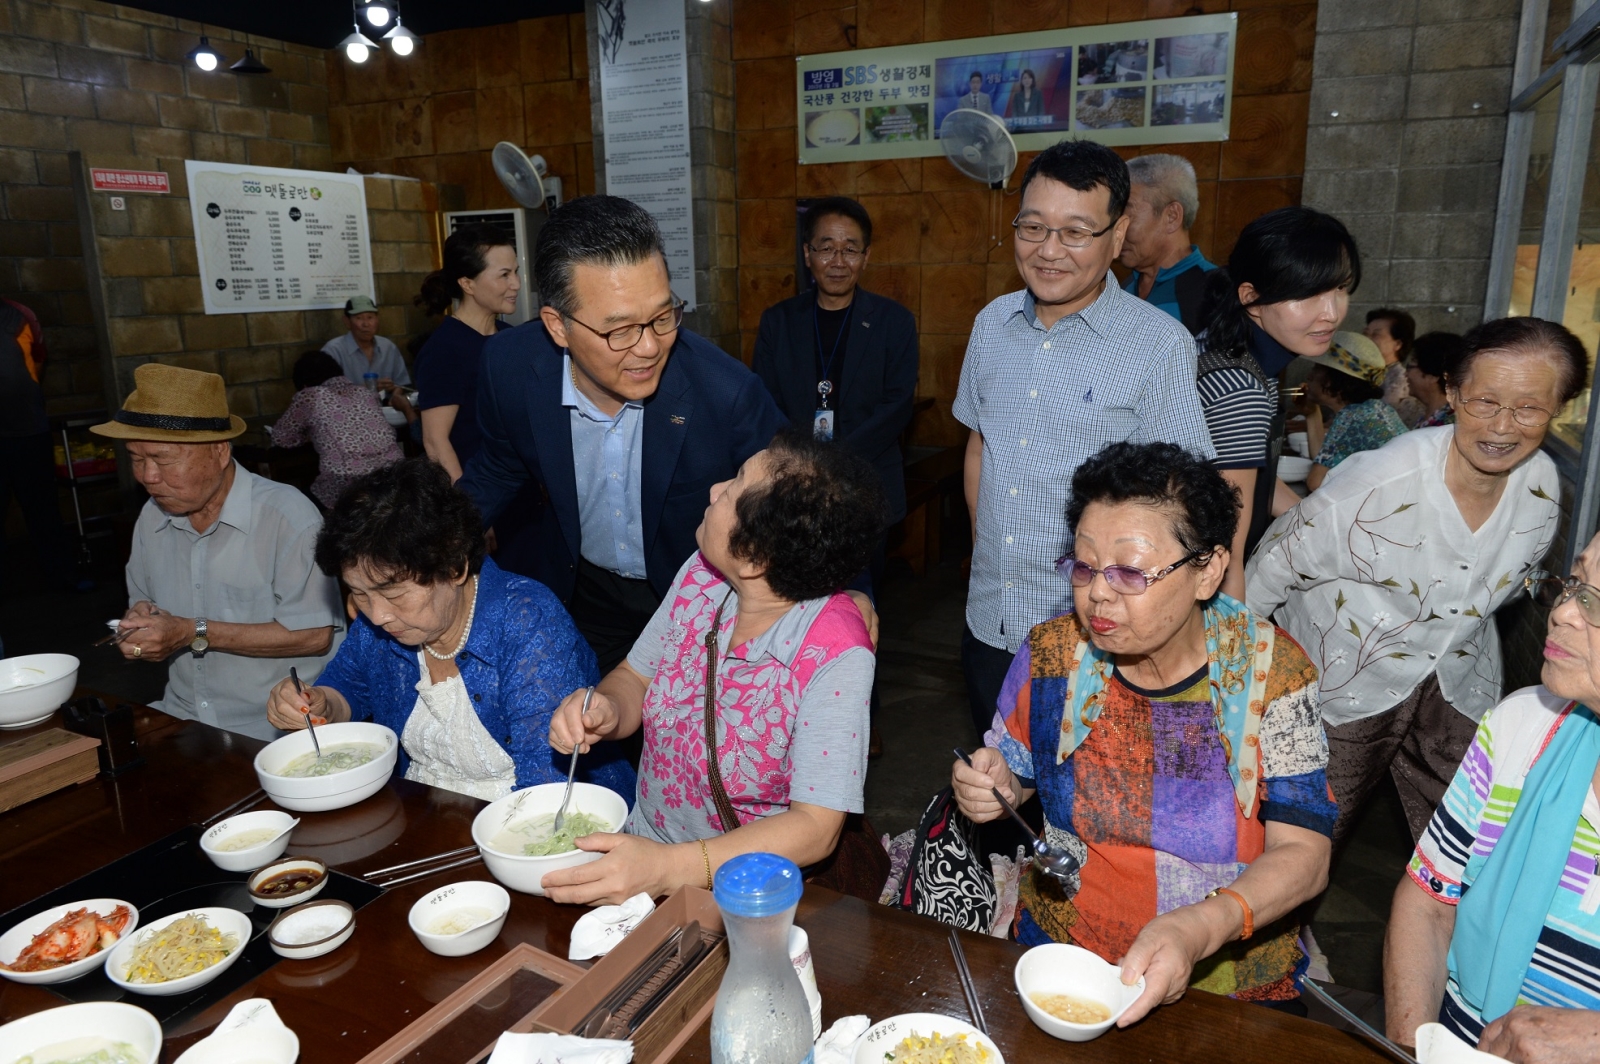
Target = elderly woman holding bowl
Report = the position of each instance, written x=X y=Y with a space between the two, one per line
x=757 y=626
x=1173 y=738
x=465 y=662
x=1511 y=963
x=1390 y=572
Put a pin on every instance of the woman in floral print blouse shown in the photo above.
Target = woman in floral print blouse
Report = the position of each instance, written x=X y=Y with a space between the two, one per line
x=1389 y=573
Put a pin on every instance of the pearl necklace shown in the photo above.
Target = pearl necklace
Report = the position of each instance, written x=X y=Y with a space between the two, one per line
x=472 y=608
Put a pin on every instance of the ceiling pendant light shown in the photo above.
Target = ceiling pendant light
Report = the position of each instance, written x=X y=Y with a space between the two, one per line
x=204 y=56
x=356 y=47
x=250 y=64
x=400 y=39
x=377 y=13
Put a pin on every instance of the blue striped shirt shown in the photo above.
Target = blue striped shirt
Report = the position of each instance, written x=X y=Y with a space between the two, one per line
x=1044 y=400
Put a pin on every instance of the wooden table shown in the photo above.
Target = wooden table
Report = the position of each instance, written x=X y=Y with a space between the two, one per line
x=869 y=959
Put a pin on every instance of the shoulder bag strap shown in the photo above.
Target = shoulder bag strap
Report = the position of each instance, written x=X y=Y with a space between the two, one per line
x=730 y=819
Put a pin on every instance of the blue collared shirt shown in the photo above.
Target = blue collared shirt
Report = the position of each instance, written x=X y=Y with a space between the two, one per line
x=1164 y=293
x=1045 y=400
x=606 y=455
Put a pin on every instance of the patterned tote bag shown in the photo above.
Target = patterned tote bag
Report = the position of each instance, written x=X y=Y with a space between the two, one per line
x=946 y=878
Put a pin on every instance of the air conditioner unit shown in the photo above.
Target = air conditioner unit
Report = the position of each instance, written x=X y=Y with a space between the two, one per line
x=524 y=226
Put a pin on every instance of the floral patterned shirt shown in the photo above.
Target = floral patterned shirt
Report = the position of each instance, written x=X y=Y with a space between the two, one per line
x=791 y=709
x=1359 y=427
x=344 y=422
x=1378 y=577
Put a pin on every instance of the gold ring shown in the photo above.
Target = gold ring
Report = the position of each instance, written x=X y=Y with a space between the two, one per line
x=138 y=651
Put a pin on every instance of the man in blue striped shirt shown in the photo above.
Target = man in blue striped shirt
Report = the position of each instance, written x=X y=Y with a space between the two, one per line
x=1168 y=270
x=1052 y=374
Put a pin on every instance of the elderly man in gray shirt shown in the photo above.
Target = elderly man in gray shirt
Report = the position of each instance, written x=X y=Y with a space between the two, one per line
x=1052 y=374
x=221 y=581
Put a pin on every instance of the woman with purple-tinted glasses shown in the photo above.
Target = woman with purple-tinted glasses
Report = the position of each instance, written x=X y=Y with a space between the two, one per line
x=1174 y=740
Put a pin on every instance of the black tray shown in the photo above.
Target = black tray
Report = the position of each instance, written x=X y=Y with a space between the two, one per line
x=174 y=876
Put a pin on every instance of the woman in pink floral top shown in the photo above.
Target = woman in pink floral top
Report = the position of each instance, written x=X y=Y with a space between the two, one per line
x=343 y=421
x=793 y=667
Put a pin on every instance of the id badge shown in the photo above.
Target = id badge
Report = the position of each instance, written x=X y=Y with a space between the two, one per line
x=822 y=426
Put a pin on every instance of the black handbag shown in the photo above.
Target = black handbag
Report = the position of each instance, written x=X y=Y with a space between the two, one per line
x=946 y=877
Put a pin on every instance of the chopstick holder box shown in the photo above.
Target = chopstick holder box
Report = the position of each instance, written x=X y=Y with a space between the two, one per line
x=685 y=1009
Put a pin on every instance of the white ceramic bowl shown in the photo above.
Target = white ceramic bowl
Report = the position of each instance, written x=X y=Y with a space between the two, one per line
x=1292 y=469
x=312 y=930
x=13 y=941
x=33 y=686
x=316 y=794
x=525 y=873
x=1057 y=968
x=880 y=1039
x=251 y=1031
x=253 y=856
x=288 y=864
x=1300 y=444
x=472 y=894
x=228 y=921
x=111 y=1020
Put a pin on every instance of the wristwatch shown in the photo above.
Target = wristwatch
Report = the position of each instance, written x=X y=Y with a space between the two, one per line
x=199 y=644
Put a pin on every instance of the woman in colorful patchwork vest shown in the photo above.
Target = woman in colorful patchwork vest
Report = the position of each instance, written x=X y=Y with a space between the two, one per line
x=1495 y=928
x=1174 y=739
x=757 y=625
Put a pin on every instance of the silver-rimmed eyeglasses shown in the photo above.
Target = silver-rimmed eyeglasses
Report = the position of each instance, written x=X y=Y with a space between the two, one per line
x=624 y=337
x=1123 y=579
x=1072 y=236
x=1550 y=591
x=1530 y=417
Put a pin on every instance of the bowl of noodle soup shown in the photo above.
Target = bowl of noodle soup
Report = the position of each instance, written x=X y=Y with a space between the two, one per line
x=179 y=953
x=358 y=757
x=513 y=834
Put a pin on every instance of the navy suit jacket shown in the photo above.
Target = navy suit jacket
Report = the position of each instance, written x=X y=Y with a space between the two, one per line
x=877 y=380
x=709 y=414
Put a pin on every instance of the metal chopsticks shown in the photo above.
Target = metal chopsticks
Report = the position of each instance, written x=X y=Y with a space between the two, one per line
x=967 y=986
x=379 y=873
x=1363 y=1028
x=426 y=872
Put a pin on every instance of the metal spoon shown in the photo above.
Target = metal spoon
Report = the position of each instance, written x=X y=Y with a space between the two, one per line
x=572 y=768
x=1053 y=862
x=300 y=690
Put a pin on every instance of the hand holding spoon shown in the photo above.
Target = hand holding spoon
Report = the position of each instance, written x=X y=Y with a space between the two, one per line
x=1054 y=862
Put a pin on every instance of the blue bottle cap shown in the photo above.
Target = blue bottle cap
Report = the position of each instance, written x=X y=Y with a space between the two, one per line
x=758 y=884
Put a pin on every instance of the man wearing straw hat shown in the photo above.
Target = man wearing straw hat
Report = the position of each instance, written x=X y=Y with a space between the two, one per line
x=220 y=579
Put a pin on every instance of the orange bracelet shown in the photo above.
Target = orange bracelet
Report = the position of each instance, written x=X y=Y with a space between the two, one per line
x=1249 y=915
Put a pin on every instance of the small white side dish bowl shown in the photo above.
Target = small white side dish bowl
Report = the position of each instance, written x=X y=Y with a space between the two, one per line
x=111 y=1020
x=288 y=864
x=14 y=940
x=526 y=873
x=471 y=894
x=318 y=794
x=1057 y=968
x=253 y=856
x=228 y=921
x=1292 y=469
x=881 y=1038
x=251 y=1031
x=33 y=686
x=312 y=929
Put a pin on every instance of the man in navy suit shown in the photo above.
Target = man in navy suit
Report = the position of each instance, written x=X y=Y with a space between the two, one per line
x=844 y=360
x=621 y=417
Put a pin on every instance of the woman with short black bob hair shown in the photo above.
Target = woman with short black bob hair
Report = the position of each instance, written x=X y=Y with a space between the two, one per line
x=789 y=672
x=465 y=662
x=1201 y=813
x=1284 y=291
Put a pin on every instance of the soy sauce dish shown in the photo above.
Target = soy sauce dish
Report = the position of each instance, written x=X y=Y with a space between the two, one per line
x=287 y=882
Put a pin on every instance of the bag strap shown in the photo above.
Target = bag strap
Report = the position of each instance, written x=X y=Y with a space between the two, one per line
x=730 y=819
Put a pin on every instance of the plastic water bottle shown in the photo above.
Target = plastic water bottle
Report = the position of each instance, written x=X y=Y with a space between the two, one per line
x=371 y=381
x=761 y=1016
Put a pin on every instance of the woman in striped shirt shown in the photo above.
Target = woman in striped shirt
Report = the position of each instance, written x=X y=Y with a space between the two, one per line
x=1495 y=929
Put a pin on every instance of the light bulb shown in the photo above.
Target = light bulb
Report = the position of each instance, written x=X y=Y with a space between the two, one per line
x=206 y=61
x=377 y=15
x=401 y=45
x=356 y=53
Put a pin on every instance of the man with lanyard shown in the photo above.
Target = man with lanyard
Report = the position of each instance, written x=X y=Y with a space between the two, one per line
x=1168 y=270
x=843 y=359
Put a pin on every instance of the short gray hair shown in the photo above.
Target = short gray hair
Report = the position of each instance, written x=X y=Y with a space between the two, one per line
x=1173 y=177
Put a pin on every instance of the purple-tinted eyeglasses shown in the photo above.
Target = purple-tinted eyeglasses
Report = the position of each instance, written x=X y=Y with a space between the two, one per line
x=1123 y=579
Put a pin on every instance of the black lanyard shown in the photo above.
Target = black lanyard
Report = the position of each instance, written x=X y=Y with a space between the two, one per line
x=825 y=384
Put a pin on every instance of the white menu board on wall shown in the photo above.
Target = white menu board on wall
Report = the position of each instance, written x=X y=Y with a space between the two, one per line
x=644 y=94
x=274 y=239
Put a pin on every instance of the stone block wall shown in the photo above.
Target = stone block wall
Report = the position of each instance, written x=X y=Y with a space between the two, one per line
x=941 y=243
x=144 y=271
x=85 y=76
x=436 y=113
x=1405 y=138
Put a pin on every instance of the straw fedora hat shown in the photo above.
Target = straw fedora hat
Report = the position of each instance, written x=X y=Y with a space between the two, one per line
x=173 y=405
